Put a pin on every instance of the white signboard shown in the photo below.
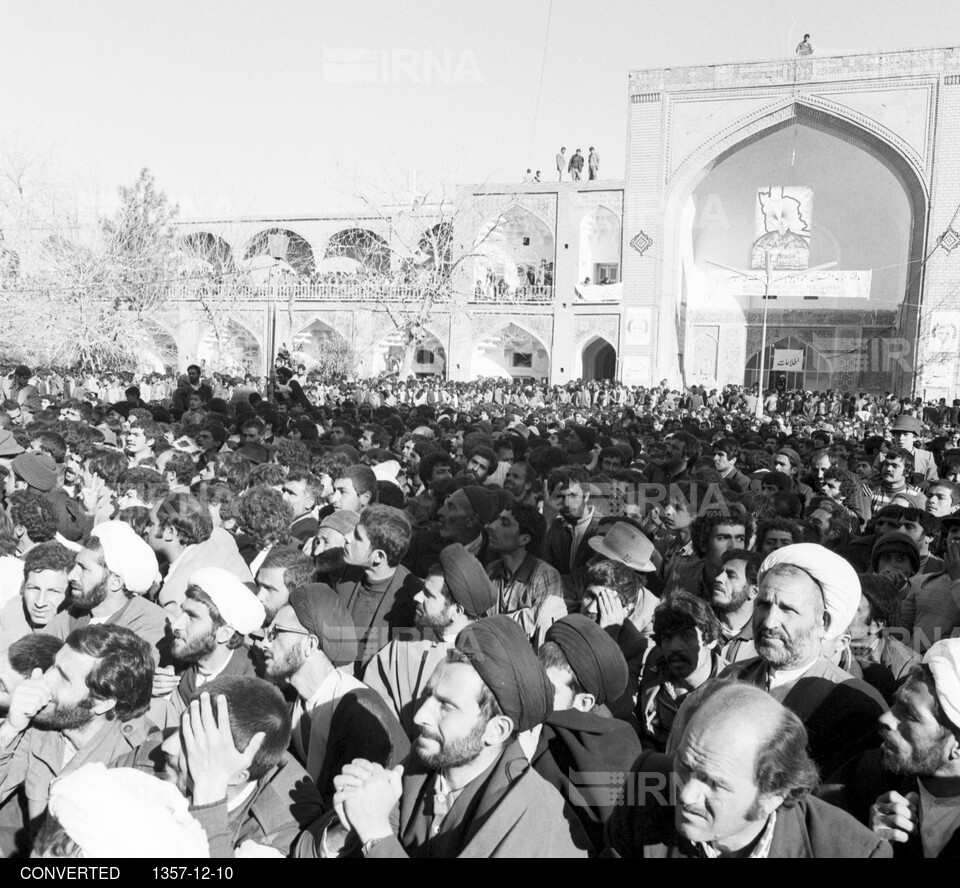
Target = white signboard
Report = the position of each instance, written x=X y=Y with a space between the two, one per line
x=820 y=284
x=788 y=360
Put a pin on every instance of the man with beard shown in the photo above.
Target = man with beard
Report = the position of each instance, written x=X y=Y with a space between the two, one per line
x=734 y=590
x=435 y=467
x=521 y=481
x=565 y=547
x=326 y=546
x=528 y=589
x=921 y=743
x=808 y=597
x=471 y=791
x=908 y=790
x=579 y=741
x=208 y=639
x=686 y=632
x=112 y=574
x=88 y=707
x=455 y=592
x=283 y=570
x=714 y=533
x=336 y=718
x=377 y=590
x=738 y=786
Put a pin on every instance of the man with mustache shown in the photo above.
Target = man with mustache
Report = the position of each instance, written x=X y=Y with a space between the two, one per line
x=470 y=792
x=808 y=597
x=734 y=591
x=455 y=592
x=88 y=707
x=326 y=548
x=738 y=785
x=208 y=639
x=686 y=632
x=112 y=574
x=335 y=718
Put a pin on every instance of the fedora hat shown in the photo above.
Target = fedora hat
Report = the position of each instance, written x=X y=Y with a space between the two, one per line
x=627 y=545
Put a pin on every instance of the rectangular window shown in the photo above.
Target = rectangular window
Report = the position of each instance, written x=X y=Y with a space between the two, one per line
x=424 y=356
x=522 y=359
x=605 y=272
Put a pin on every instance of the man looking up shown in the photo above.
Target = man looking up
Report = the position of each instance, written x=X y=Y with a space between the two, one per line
x=490 y=688
x=335 y=718
x=110 y=578
x=455 y=593
x=208 y=638
x=587 y=670
x=378 y=592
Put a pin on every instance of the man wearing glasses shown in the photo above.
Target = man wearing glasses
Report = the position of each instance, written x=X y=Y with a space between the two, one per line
x=336 y=717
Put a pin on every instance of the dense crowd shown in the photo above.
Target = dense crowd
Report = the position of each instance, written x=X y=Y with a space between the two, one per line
x=327 y=617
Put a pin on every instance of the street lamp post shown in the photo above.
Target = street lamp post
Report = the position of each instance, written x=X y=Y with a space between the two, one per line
x=767 y=280
x=277 y=245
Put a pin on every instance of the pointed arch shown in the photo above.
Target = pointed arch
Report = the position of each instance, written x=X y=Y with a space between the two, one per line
x=511 y=350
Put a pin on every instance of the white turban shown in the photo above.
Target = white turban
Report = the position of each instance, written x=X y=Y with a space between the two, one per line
x=836 y=576
x=128 y=556
x=387 y=471
x=943 y=659
x=123 y=812
x=238 y=606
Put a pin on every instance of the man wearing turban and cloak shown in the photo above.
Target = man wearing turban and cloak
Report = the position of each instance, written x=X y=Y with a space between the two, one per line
x=808 y=597
x=468 y=789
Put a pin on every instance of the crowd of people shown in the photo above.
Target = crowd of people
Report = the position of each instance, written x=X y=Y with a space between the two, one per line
x=309 y=617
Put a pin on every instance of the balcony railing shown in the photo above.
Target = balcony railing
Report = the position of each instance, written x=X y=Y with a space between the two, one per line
x=352 y=291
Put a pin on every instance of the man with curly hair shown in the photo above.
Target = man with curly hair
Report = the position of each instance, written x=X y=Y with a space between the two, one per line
x=34 y=519
x=88 y=708
x=265 y=519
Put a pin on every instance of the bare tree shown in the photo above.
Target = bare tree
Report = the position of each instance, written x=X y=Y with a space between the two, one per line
x=417 y=268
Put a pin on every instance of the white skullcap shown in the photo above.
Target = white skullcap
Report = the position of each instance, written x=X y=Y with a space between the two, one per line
x=943 y=659
x=123 y=812
x=836 y=576
x=238 y=606
x=128 y=556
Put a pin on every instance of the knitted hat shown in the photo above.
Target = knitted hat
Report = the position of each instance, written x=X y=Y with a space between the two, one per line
x=895 y=541
x=37 y=469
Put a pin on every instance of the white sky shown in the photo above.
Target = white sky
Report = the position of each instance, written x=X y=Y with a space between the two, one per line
x=281 y=108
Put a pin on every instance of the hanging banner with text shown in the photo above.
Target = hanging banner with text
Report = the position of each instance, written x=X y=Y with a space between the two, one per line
x=805 y=285
x=788 y=360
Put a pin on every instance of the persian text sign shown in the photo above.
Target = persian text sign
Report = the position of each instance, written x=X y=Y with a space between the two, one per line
x=816 y=284
x=789 y=360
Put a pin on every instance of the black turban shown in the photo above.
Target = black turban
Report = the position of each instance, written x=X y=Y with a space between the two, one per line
x=594 y=657
x=501 y=653
x=469 y=585
x=321 y=613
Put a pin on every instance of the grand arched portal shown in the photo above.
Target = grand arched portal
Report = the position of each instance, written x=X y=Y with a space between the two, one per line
x=857 y=134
